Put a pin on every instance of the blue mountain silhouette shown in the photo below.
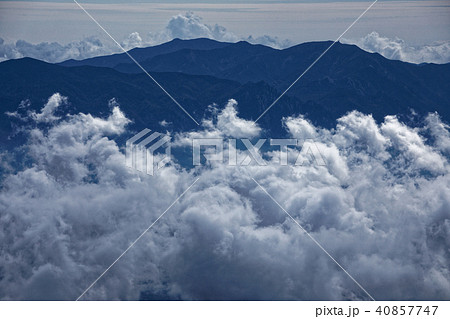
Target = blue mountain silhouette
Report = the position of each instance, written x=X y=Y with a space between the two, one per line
x=200 y=72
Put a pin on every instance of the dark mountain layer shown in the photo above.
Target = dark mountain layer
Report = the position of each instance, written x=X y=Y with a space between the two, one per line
x=346 y=78
x=90 y=88
x=141 y=54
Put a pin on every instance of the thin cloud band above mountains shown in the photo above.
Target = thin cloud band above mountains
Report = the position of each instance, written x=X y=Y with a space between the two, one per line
x=191 y=26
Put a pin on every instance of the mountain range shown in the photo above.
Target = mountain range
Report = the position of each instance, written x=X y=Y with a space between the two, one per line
x=201 y=72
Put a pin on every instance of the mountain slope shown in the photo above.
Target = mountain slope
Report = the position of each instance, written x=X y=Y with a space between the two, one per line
x=141 y=54
x=345 y=78
x=227 y=62
x=363 y=78
x=90 y=88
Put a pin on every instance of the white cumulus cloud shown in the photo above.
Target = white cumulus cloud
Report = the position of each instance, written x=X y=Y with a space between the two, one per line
x=55 y=52
x=220 y=124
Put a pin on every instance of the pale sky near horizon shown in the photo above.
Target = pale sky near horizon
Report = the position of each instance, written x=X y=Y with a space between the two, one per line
x=417 y=22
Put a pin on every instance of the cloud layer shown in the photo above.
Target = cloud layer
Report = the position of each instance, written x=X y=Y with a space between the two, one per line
x=55 y=52
x=380 y=206
x=397 y=49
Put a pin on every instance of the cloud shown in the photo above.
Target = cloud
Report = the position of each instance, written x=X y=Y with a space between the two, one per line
x=381 y=207
x=397 y=49
x=133 y=40
x=413 y=146
x=47 y=113
x=55 y=52
x=221 y=124
x=231 y=125
x=440 y=132
x=190 y=26
x=271 y=41
x=300 y=128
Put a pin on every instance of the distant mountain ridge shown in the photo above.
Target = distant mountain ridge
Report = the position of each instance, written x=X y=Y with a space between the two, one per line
x=141 y=54
x=365 y=79
x=201 y=72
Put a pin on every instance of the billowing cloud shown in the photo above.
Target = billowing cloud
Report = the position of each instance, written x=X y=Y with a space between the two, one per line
x=221 y=124
x=230 y=124
x=47 y=113
x=133 y=40
x=397 y=49
x=440 y=132
x=190 y=26
x=300 y=127
x=380 y=206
